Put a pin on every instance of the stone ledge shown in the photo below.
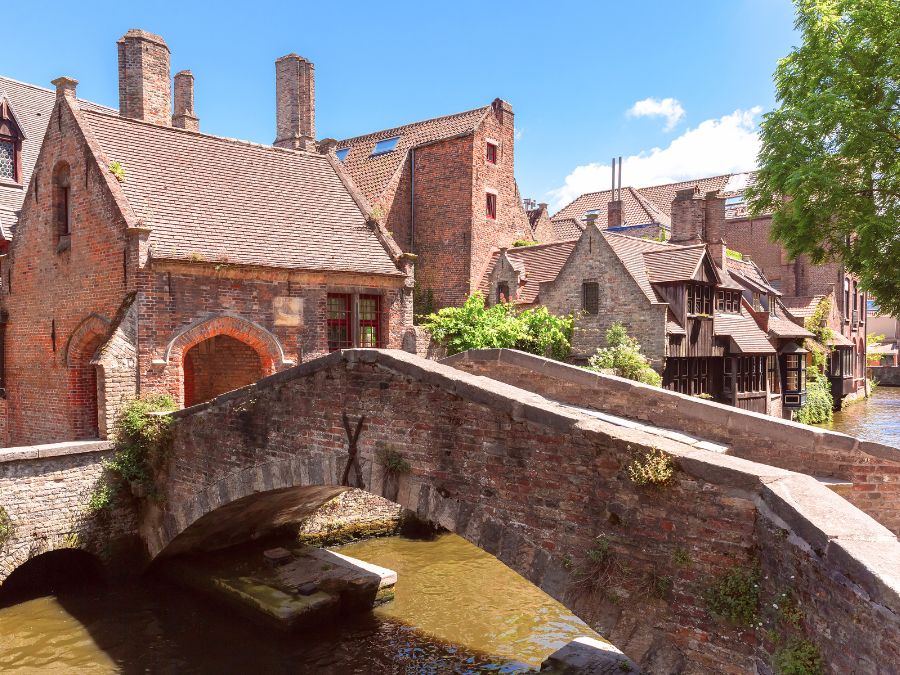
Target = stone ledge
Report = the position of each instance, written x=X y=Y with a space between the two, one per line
x=49 y=450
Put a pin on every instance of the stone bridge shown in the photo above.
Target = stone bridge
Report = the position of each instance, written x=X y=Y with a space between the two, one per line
x=544 y=484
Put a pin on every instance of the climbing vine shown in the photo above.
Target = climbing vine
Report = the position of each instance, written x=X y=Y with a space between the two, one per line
x=819 y=406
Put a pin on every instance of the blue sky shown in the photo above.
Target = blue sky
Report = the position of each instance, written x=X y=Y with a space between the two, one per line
x=572 y=71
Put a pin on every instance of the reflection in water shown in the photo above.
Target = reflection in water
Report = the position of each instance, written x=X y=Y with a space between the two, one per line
x=468 y=606
x=875 y=419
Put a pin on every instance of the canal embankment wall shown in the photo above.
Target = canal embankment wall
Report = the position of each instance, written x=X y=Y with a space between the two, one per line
x=886 y=376
x=865 y=473
x=655 y=566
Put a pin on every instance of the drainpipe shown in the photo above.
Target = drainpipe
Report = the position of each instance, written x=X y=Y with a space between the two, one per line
x=412 y=200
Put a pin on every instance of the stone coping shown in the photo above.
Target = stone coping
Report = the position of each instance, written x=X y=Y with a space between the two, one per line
x=865 y=552
x=48 y=450
x=709 y=414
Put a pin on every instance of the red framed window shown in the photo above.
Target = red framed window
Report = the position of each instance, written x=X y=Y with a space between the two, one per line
x=491 y=210
x=370 y=321
x=491 y=153
x=338 y=312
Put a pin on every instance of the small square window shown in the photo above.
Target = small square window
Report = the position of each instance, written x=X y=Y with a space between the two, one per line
x=491 y=153
x=342 y=153
x=491 y=206
x=386 y=145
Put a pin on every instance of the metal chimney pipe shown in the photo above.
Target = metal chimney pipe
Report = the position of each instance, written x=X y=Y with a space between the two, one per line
x=620 y=179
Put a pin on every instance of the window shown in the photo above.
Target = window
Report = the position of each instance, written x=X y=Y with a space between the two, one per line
x=774 y=380
x=757 y=304
x=491 y=210
x=734 y=201
x=61 y=201
x=728 y=302
x=590 y=297
x=338 y=311
x=794 y=373
x=772 y=304
x=369 y=321
x=699 y=299
x=502 y=292
x=342 y=153
x=491 y=153
x=384 y=146
x=687 y=376
x=7 y=159
x=846 y=300
x=749 y=373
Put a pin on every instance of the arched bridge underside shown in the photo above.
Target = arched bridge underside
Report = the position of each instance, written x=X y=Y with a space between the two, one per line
x=546 y=489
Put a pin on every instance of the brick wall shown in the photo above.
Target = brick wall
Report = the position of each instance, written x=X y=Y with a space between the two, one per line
x=863 y=472
x=620 y=300
x=537 y=485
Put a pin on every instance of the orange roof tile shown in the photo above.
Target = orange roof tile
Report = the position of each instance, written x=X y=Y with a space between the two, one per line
x=744 y=333
x=674 y=263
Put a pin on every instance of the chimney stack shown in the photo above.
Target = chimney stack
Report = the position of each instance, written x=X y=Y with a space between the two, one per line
x=715 y=226
x=145 y=91
x=295 y=99
x=688 y=217
x=65 y=87
x=183 y=115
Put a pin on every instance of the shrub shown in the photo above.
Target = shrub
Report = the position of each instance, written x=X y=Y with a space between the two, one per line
x=475 y=326
x=623 y=356
x=518 y=243
x=735 y=595
x=819 y=406
x=118 y=171
x=799 y=657
x=393 y=462
x=655 y=468
x=141 y=437
x=101 y=498
x=6 y=526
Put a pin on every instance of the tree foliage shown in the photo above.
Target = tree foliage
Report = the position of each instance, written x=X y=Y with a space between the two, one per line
x=475 y=326
x=830 y=158
x=624 y=358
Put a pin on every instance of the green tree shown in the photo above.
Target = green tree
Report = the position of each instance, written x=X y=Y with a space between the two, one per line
x=476 y=326
x=623 y=356
x=830 y=159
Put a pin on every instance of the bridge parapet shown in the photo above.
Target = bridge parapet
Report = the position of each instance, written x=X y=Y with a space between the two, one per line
x=546 y=489
x=867 y=474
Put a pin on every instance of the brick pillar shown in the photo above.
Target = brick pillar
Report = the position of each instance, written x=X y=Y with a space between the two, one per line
x=145 y=91
x=688 y=217
x=295 y=99
x=614 y=213
x=715 y=227
x=65 y=87
x=183 y=109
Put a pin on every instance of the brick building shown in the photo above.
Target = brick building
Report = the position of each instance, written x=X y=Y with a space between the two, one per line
x=445 y=189
x=149 y=257
x=802 y=284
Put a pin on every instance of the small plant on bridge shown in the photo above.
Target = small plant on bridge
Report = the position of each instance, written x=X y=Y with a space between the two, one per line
x=654 y=469
x=735 y=596
x=623 y=357
x=393 y=462
x=142 y=437
x=799 y=657
x=101 y=498
x=6 y=527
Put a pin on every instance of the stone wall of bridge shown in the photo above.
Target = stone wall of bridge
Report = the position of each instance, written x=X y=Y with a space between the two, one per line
x=45 y=492
x=866 y=473
x=546 y=489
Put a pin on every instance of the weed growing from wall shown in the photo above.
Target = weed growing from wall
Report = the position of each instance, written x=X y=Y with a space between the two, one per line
x=142 y=437
x=6 y=527
x=799 y=657
x=393 y=462
x=735 y=596
x=656 y=469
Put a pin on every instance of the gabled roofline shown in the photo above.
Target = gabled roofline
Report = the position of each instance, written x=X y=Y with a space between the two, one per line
x=9 y=106
x=399 y=129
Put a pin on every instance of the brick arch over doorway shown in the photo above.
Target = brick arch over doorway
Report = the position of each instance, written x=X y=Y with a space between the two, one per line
x=85 y=406
x=216 y=365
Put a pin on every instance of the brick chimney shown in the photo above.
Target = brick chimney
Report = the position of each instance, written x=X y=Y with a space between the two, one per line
x=65 y=87
x=614 y=213
x=688 y=217
x=145 y=91
x=715 y=227
x=295 y=99
x=183 y=115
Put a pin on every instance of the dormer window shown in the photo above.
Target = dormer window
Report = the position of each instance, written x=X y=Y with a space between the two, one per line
x=384 y=146
x=342 y=153
x=728 y=302
x=699 y=299
x=10 y=145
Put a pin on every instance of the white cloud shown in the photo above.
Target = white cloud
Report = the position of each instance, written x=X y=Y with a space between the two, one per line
x=728 y=144
x=669 y=108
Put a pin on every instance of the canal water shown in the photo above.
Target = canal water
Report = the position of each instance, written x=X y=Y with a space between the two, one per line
x=874 y=419
x=457 y=610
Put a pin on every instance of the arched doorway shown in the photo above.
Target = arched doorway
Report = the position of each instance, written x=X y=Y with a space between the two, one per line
x=216 y=365
x=83 y=390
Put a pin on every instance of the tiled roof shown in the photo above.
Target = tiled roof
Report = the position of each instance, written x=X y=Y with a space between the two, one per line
x=567 y=228
x=225 y=201
x=748 y=270
x=840 y=340
x=372 y=174
x=675 y=263
x=631 y=250
x=802 y=306
x=535 y=264
x=744 y=332
x=639 y=205
x=781 y=326
x=32 y=106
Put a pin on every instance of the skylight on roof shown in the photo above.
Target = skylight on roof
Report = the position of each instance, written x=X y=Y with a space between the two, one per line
x=733 y=201
x=342 y=153
x=386 y=145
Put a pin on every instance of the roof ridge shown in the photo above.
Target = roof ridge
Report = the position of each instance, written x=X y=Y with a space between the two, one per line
x=225 y=139
x=371 y=134
x=532 y=247
x=654 y=241
x=53 y=91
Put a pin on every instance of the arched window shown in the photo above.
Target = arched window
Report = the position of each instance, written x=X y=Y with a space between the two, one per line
x=61 y=200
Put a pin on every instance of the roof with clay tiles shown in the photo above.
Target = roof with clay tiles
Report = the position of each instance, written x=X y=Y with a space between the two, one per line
x=674 y=264
x=373 y=174
x=31 y=106
x=220 y=200
x=630 y=251
x=748 y=270
x=802 y=306
x=535 y=264
x=744 y=332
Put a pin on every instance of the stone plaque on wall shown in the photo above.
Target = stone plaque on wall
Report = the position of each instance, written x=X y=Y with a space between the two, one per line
x=288 y=311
